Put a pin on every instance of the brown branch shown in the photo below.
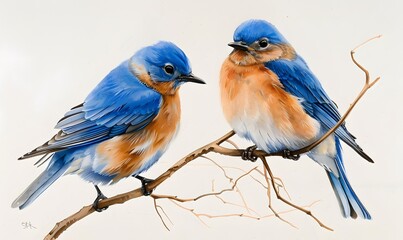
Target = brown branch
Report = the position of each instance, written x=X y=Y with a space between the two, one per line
x=281 y=185
x=268 y=192
x=177 y=201
x=231 y=181
x=61 y=226
x=232 y=143
x=244 y=205
x=267 y=168
x=158 y=196
x=190 y=210
x=220 y=167
x=198 y=215
x=214 y=146
x=156 y=206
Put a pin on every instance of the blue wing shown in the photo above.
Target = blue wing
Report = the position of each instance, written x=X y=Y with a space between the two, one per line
x=298 y=80
x=119 y=104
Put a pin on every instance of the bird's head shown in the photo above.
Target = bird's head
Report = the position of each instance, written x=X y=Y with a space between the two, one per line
x=258 y=41
x=163 y=67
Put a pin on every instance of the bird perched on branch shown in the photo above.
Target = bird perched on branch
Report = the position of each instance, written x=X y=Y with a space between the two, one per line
x=271 y=97
x=123 y=126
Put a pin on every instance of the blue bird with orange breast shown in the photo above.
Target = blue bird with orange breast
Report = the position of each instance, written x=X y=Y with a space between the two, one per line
x=271 y=97
x=123 y=126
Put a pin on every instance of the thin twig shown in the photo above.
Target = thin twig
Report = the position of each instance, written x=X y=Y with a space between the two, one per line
x=220 y=167
x=368 y=84
x=198 y=215
x=190 y=210
x=232 y=143
x=277 y=184
x=159 y=214
x=269 y=198
x=288 y=202
x=248 y=209
x=231 y=181
x=176 y=198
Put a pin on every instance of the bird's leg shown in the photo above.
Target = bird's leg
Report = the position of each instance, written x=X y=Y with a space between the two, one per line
x=248 y=154
x=144 y=184
x=287 y=155
x=100 y=197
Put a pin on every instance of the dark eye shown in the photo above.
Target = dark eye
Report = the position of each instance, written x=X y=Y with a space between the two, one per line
x=169 y=69
x=263 y=43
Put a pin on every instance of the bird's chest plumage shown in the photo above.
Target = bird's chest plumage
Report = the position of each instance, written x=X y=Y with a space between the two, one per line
x=134 y=152
x=258 y=108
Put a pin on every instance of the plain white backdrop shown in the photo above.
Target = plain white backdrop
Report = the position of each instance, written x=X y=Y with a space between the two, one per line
x=52 y=53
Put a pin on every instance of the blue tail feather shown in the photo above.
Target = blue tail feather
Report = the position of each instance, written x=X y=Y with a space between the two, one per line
x=56 y=168
x=349 y=203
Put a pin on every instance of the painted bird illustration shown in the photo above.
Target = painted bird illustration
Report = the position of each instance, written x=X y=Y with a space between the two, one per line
x=123 y=126
x=271 y=97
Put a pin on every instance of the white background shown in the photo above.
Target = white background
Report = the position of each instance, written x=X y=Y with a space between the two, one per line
x=52 y=53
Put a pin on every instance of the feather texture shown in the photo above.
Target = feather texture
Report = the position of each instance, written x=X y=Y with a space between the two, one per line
x=121 y=102
x=270 y=96
x=123 y=126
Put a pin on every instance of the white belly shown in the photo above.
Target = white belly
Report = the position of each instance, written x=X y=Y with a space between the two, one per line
x=259 y=127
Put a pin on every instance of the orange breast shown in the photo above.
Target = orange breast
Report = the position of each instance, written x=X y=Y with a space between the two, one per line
x=253 y=95
x=127 y=153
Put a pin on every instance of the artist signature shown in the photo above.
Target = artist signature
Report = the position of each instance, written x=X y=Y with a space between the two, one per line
x=27 y=225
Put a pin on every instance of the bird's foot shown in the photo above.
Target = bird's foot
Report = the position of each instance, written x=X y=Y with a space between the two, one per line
x=248 y=154
x=100 y=197
x=287 y=155
x=144 y=184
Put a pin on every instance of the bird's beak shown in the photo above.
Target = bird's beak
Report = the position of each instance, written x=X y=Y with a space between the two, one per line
x=239 y=46
x=190 y=78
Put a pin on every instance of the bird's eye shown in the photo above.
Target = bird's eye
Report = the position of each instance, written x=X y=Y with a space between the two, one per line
x=263 y=43
x=169 y=69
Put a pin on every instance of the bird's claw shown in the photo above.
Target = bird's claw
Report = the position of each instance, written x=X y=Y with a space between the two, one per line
x=144 y=184
x=287 y=155
x=100 y=197
x=248 y=155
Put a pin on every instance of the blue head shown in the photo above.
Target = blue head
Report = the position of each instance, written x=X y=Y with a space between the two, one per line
x=261 y=40
x=162 y=63
x=254 y=30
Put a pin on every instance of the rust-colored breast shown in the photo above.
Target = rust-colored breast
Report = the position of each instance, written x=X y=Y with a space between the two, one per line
x=253 y=91
x=127 y=153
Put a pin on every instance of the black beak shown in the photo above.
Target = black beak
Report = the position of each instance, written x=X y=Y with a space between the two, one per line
x=239 y=46
x=190 y=78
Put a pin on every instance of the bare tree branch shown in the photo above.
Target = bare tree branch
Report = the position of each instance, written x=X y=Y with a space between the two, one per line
x=216 y=147
x=250 y=212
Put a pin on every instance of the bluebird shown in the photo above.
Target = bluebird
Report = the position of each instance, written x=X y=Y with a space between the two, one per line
x=271 y=97
x=123 y=126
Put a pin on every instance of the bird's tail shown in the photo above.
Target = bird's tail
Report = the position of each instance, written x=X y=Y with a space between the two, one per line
x=349 y=203
x=56 y=168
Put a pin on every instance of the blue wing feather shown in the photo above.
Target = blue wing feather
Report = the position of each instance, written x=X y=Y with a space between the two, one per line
x=119 y=104
x=299 y=81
